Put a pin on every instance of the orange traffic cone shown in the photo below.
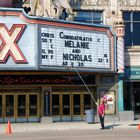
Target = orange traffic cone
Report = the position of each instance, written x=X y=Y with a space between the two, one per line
x=138 y=126
x=8 y=130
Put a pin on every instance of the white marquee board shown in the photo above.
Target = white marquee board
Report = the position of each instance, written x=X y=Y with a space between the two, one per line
x=68 y=48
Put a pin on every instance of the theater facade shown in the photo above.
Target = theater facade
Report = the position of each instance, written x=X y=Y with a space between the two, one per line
x=49 y=68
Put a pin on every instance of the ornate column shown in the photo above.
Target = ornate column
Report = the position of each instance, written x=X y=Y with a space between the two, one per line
x=119 y=25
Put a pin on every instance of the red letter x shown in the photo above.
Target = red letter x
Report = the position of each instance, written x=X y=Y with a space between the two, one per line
x=9 y=45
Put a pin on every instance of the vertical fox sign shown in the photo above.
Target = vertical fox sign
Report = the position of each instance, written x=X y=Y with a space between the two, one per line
x=17 y=42
x=9 y=46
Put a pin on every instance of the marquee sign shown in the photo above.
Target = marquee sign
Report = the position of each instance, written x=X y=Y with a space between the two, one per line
x=28 y=43
x=17 y=41
x=46 y=79
x=68 y=48
x=9 y=45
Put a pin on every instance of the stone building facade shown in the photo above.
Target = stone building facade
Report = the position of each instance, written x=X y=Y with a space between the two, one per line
x=128 y=79
x=122 y=84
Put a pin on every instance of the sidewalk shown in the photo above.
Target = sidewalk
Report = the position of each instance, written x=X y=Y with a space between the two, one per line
x=28 y=127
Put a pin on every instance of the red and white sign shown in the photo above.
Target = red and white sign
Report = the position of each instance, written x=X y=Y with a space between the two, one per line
x=110 y=99
x=9 y=46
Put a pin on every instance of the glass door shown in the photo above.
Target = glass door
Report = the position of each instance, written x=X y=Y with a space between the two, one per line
x=56 y=104
x=1 y=108
x=87 y=102
x=69 y=106
x=9 y=105
x=27 y=105
x=76 y=104
x=66 y=107
x=137 y=101
x=66 y=104
x=9 y=113
x=33 y=107
x=21 y=107
x=21 y=104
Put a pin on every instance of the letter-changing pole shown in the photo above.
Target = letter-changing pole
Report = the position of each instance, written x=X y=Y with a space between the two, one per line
x=86 y=86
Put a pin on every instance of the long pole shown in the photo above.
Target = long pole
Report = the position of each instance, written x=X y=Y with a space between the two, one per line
x=86 y=86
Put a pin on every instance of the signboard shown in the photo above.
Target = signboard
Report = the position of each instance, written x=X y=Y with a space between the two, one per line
x=132 y=73
x=110 y=107
x=62 y=45
x=46 y=80
x=17 y=44
x=68 y=48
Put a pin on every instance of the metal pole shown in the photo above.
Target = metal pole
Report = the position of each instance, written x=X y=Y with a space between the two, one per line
x=86 y=86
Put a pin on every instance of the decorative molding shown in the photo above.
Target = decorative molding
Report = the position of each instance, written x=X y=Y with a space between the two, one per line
x=128 y=3
x=84 y=3
x=49 y=8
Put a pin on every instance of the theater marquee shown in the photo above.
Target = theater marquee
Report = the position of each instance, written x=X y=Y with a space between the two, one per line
x=33 y=43
x=68 y=48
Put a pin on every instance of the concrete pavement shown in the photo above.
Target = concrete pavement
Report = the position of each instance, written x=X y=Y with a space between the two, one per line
x=29 y=127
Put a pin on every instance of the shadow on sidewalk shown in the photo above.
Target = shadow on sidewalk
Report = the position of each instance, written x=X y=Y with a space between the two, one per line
x=133 y=124
x=111 y=126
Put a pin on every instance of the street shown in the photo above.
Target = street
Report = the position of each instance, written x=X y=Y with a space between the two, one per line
x=107 y=134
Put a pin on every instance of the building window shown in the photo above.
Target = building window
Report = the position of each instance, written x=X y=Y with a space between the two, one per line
x=95 y=17
x=64 y=15
x=17 y=3
x=132 y=28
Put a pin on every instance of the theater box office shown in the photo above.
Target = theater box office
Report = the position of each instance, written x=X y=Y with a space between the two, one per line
x=43 y=63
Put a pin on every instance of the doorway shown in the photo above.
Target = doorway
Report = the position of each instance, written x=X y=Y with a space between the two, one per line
x=19 y=106
x=136 y=94
x=69 y=106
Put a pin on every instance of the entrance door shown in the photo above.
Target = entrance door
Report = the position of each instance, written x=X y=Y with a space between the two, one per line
x=9 y=113
x=87 y=102
x=76 y=106
x=137 y=101
x=19 y=105
x=33 y=107
x=27 y=106
x=1 y=108
x=61 y=106
x=21 y=108
x=69 y=106
x=80 y=103
x=56 y=104
x=66 y=107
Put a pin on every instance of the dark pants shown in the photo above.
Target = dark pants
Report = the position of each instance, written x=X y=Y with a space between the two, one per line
x=102 y=121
